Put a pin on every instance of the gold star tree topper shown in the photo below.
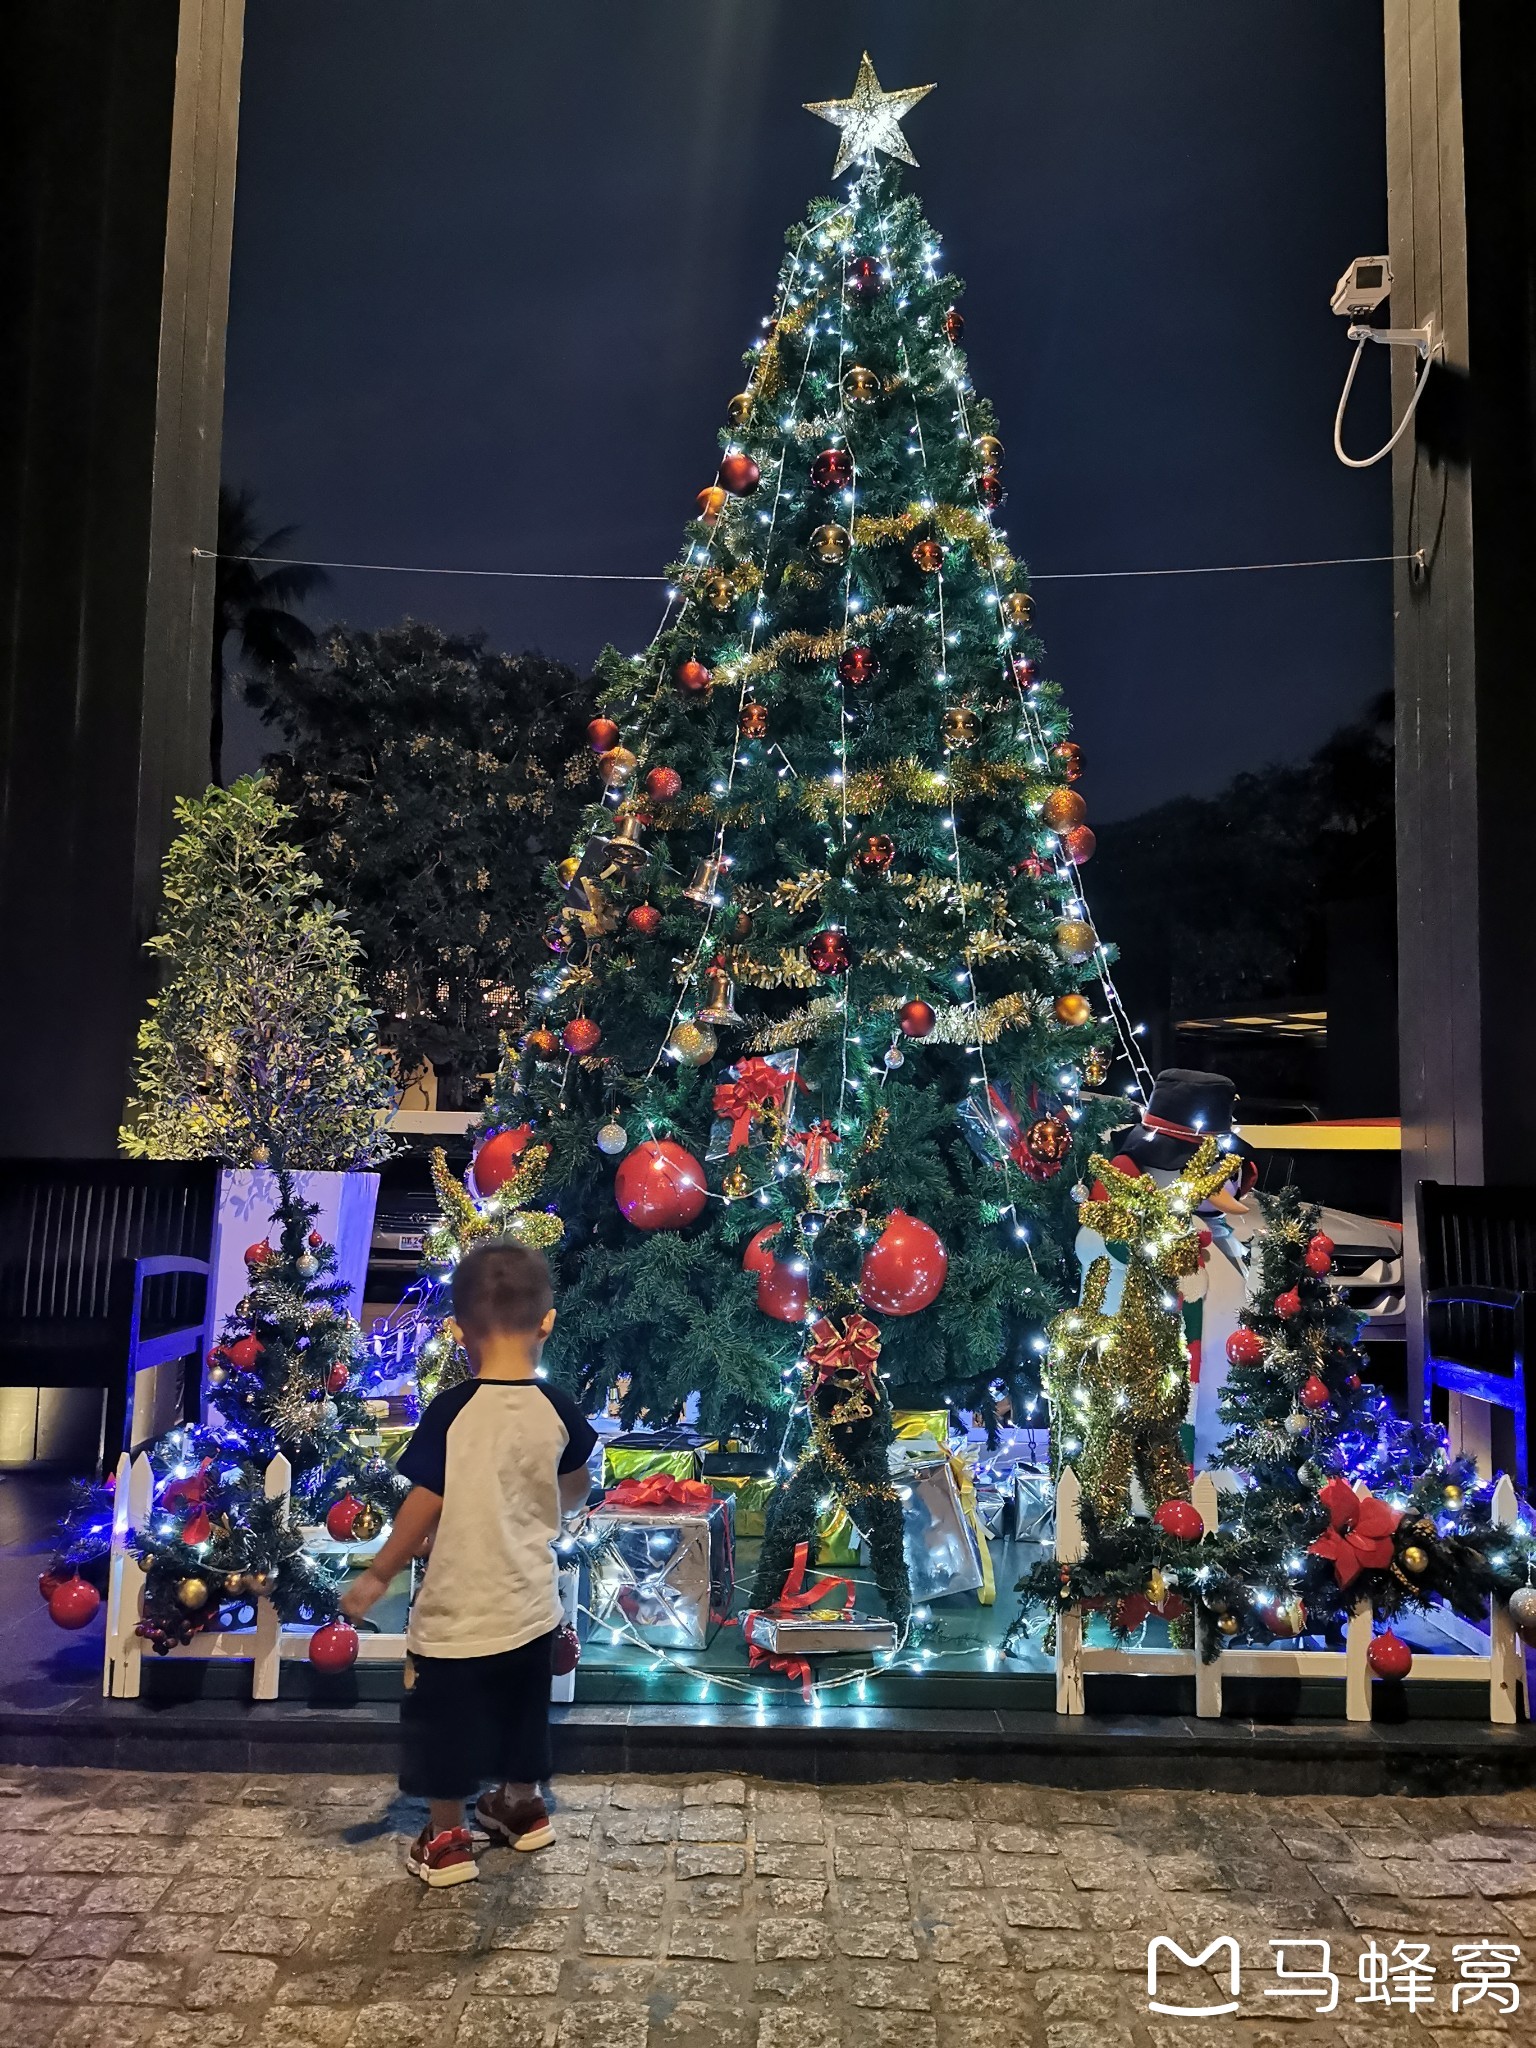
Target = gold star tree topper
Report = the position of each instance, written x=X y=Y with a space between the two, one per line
x=870 y=119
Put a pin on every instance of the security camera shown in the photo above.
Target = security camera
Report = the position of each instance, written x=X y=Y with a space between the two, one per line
x=1364 y=286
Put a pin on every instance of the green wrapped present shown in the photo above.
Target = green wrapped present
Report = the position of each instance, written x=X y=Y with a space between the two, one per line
x=751 y=1493
x=837 y=1540
x=639 y=1453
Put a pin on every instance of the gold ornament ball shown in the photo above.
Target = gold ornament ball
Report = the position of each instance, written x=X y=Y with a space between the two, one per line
x=989 y=451
x=754 y=721
x=192 y=1594
x=929 y=556
x=715 y=590
x=1063 y=809
x=617 y=765
x=861 y=386
x=736 y=1184
x=1095 y=1066
x=367 y=1523
x=961 y=727
x=234 y=1583
x=1453 y=1496
x=1016 y=608
x=1228 y=1624
x=1074 y=940
x=1073 y=1010
x=1415 y=1559
x=567 y=870
x=692 y=1045
x=739 y=411
x=830 y=543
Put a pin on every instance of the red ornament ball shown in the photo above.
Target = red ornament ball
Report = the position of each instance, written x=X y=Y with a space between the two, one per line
x=659 y=1186
x=336 y=1379
x=876 y=854
x=1288 y=1304
x=564 y=1651
x=863 y=277
x=954 y=323
x=1245 y=1347
x=341 y=1519
x=1389 y=1656
x=1180 y=1518
x=1318 y=1257
x=857 y=666
x=693 y=678
x=542 y=1043
x=663 y=784
x=740 y=475
x=1026 y=675
x=496 y=1161
x=315 y=1240
x=74 y=1603
x=259 y=1254
x=780 y=1293
x=581 y=1037
x=48 y=1584
x=1314 y=1392
x=904 y=1268
x=832 y=470
x=602 y=734
x=1068 y=756
x=645 y=919
x=829 y=952
x=244 y=1353
x=989 y=489
x=334 y=1647
x=917 y=1018
x=1079 y=844
x=1048 y=1141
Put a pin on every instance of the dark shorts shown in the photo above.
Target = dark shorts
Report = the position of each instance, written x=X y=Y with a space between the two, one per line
x=471 y=1721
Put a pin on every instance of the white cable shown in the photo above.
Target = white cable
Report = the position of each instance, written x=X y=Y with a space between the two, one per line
x=1365 y=462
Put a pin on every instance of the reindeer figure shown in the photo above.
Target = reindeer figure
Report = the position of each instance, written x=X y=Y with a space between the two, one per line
x=1119 y=1384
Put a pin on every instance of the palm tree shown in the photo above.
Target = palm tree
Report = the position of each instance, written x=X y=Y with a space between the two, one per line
x=251 y=596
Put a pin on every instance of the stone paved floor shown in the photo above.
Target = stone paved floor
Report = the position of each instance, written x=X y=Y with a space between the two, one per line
x=201 y=1912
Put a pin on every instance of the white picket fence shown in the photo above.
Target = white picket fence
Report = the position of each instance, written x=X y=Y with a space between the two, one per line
x=1499 y=1662
x=267 y=1645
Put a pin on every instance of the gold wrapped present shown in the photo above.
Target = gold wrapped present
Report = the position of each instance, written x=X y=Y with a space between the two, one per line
x=751 y=1493
x=909 y=1423
x=837 y=1540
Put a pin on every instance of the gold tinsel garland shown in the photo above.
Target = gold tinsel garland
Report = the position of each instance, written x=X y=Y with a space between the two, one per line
x=957 y=523
x=800 y=1025
x=907 y=780
x=799 y=892
x=466 y=1223
x=768 y=376
x=789 y=968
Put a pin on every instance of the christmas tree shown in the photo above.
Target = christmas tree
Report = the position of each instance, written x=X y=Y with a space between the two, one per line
x=821 y=948
x=426 y=775
x=260 y=1044
x=282 y=1379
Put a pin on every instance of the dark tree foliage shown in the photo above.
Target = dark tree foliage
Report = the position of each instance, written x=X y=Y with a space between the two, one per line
x=427 y=775
x=1232 y=888
x=253 y=598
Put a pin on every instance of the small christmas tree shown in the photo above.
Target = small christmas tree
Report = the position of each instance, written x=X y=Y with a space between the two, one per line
x=260 y=1045
x=281 y=1380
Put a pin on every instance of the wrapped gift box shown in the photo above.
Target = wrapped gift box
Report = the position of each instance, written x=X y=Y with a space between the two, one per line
x=911 y=1425
x=742 y=1476
x=941 y=1552
x=820 y=1632
x=668 y=1572
x=639 y=1453
x=1034 y=1504
x=993 y=1509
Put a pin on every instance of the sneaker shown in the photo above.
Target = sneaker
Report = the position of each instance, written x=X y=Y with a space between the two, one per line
x=448 y=1858
x=521 y=1823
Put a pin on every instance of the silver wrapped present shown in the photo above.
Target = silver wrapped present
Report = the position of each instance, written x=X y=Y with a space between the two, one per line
x=1034 y=1505
x=940 y=1550
x=992 y=1505
x=821 y=1632
x=667 y=1573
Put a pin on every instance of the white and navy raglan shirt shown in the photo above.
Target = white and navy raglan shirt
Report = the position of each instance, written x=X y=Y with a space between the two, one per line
x=494 y=1450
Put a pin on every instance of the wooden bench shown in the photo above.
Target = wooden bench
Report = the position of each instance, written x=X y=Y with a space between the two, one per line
x=103 y=1283
x=1477 y=1251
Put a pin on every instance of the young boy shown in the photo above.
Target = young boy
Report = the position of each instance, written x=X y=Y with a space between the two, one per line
x=493 y=1466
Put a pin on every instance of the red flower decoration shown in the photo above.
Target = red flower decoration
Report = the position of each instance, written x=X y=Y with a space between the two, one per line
x=1359 y=1533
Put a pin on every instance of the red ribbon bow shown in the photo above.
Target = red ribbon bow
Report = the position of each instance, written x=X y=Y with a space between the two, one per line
x=1359 y=1535
x=855 y=1347
x=794 y=1595
x=756 y=1085
x=659 y=1490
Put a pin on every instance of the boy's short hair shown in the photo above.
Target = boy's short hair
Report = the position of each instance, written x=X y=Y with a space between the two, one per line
x=501 y=1287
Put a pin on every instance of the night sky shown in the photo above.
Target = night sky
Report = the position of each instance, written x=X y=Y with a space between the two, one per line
x=495 y=267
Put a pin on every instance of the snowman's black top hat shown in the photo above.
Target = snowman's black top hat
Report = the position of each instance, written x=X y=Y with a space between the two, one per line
x=1185 y=1107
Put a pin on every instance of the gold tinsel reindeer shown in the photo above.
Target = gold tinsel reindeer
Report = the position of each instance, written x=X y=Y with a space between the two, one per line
x=1119 y=1383
x=441 y=1361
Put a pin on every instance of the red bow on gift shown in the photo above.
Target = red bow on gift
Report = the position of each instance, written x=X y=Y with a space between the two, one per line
x=1359 y=1535
x=793 y=1596
x=757 y=1085
x=855 y=1347
x=659 y=1490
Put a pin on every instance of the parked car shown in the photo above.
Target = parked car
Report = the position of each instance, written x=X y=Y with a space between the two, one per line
x=407 y=1209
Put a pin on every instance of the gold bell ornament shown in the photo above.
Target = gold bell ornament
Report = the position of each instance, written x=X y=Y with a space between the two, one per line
x=719 y=1006
x=704 y=889
x=625 y=849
